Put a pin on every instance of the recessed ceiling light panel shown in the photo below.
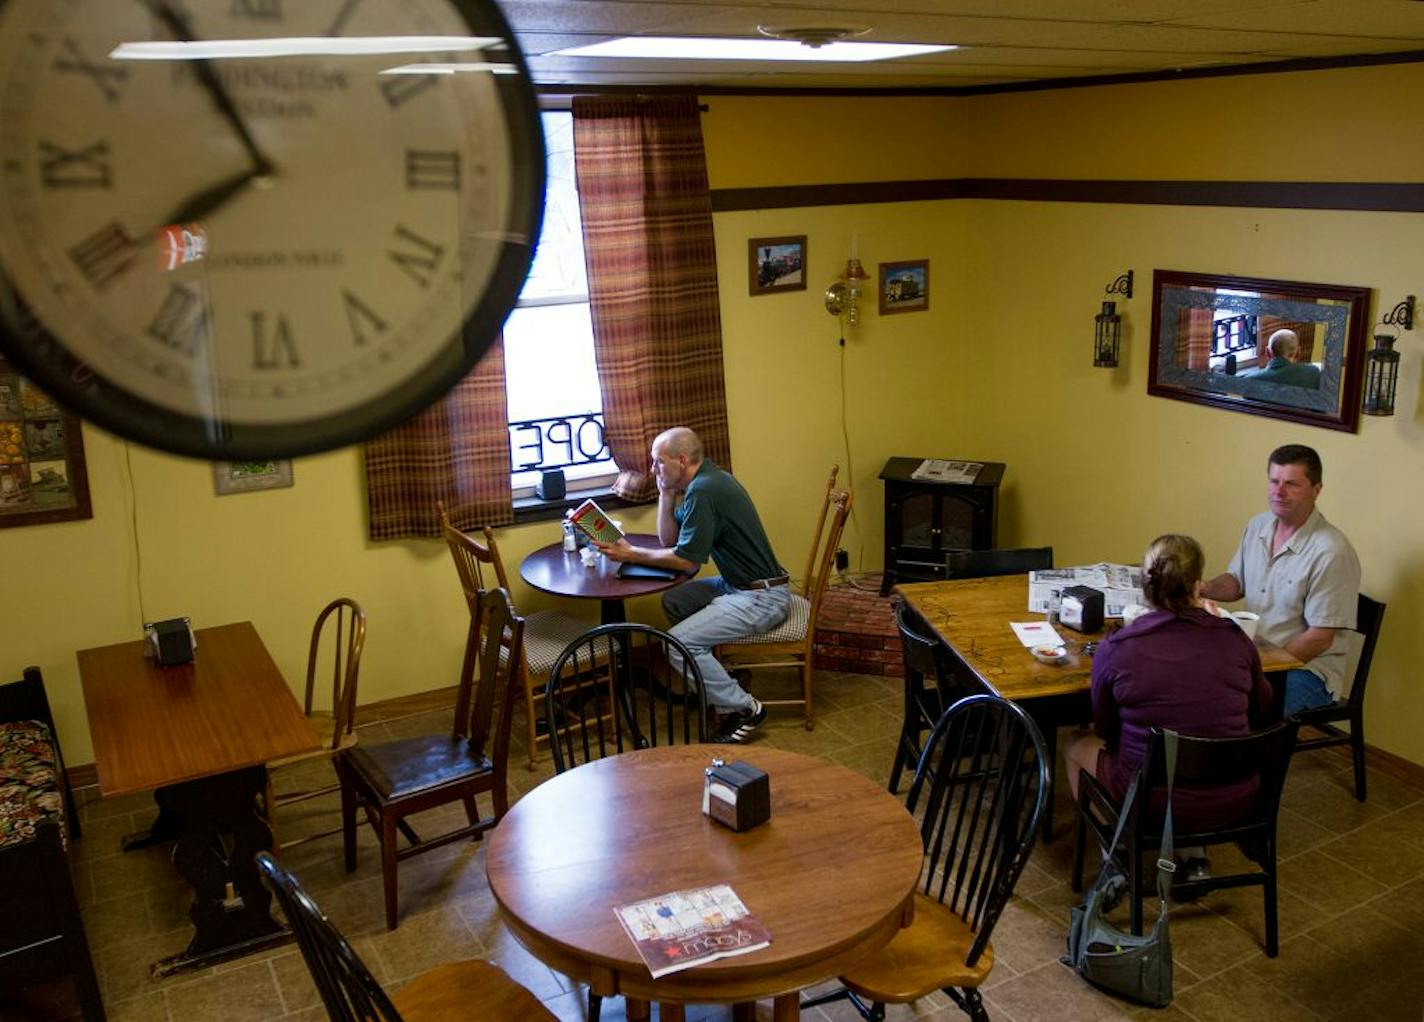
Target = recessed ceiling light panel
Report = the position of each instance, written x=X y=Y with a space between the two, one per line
x=707 y=48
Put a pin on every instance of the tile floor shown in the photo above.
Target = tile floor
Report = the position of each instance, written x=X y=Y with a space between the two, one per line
x=1351 y=911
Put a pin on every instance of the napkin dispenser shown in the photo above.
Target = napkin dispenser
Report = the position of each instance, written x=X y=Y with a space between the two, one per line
x=736 y=795
x=1081 y=608
x=170 y=642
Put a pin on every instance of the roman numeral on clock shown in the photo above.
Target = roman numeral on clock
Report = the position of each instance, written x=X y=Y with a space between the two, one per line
x=271 y=10
x=339 y=24
x=359 y=316
x=104 y=255
x=106 y=78
x=399 y=89
x=77 y=168
x=434 y=170
x=420 y=257
x=181 y=322
x=274 y=348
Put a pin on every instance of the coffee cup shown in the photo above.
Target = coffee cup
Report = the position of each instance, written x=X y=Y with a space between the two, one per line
x=1246 y=621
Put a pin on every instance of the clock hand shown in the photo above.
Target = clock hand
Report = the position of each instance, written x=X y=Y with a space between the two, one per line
x=210 y=200
x=203 y=69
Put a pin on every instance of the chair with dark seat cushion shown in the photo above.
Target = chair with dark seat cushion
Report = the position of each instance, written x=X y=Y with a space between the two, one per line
x=1201 y=763
x=982 y=784
x=471 y=991
x=392 y=780
x=41 y=932
x=989 y=563
x=1368 y=618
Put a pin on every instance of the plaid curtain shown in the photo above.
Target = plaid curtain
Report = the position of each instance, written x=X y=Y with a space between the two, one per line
x=1194 y=338
x=652 y=277
x=457 y=450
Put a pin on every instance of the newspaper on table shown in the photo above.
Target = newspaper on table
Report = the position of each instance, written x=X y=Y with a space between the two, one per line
x=1121 y=585
x=677 y=931
x=934 y=470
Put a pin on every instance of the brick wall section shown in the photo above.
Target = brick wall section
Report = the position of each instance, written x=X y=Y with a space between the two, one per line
x=856 y=632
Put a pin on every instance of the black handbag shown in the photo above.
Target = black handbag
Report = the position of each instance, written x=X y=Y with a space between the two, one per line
x=1136 y=967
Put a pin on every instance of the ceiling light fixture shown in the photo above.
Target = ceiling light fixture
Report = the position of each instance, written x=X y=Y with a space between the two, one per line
x=706 y=48
x=814 y=36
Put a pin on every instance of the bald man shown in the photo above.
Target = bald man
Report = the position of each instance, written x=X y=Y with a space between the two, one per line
x=1284 y=345
x=703 y=512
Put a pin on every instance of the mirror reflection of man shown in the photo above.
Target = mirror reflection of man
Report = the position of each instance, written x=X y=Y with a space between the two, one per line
x=1284 y=345
x=1301 y=575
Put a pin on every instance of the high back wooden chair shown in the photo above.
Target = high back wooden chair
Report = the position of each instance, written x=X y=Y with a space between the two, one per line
x=337 y=641
x=393 y=780
x=472 y=991
x=983 y=783
x=1203 y=763
x=546 y=632
x=1325 y=719
x=793 y=642
x=929 y=687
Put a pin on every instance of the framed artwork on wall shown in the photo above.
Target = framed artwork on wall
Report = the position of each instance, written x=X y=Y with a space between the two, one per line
x=904 y=287
x=776 y=264
x=43 y=477
x=246 y=476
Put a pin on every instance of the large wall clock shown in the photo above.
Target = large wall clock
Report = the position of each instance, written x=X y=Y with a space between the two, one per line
x=278 y=249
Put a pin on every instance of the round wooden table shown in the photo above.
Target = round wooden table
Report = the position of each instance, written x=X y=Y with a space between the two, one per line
x=831 y=874
x=552 y=569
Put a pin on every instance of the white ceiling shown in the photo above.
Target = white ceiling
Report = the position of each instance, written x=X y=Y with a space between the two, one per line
x=1001 y=42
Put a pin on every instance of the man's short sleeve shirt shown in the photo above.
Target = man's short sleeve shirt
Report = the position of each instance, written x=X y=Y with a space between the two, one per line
x=717 y=519
x=1313 y=582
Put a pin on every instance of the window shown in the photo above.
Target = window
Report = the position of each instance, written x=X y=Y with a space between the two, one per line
x=551 y=383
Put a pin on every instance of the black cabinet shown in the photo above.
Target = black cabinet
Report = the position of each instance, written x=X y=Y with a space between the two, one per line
x=926 y=520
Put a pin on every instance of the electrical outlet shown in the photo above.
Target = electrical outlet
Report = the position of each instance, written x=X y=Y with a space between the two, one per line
x=842 y=560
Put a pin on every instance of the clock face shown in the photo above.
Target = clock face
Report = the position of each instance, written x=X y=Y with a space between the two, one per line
x=260 y=256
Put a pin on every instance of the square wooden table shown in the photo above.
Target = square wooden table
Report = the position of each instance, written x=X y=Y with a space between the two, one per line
x=200 y=735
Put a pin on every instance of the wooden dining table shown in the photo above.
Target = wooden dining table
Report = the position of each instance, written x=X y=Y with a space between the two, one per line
x=199 y=736
x=972 y=616
x=552 y=569
x=831 y=874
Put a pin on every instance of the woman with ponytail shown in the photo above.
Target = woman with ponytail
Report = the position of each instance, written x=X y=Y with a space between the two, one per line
x=1179 y=666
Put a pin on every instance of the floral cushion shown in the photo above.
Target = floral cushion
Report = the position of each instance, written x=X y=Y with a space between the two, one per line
x=29 y=789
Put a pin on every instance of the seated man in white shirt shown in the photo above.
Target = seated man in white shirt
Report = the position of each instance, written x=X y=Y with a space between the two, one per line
x=1301 y=575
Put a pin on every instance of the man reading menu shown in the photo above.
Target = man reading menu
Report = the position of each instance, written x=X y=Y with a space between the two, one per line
x=704 y=512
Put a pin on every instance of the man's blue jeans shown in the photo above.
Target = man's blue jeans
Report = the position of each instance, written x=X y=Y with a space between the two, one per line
x=1304 y=690
x=708 y=611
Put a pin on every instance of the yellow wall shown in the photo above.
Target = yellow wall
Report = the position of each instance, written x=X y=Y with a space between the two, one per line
x=998 y=368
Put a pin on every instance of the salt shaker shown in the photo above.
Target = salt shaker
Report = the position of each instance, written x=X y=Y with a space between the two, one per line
x=570 y=541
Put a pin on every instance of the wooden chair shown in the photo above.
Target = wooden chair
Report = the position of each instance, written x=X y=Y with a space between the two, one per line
x=41 y=931
x=984 y=782
x=793 y=642
x=546 y=632
x=472 y=991
x=623 y=686
x=345 y=622
x=989 y=563
x=620 y=687
x=392 y=780
x=1201 y=762
x=1369 y=616
x=929 y=686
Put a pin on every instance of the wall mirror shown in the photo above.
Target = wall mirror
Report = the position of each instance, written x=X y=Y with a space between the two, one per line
x=1212 y=344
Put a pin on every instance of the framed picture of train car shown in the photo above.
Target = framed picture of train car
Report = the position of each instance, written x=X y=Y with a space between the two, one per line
x=904 y=287
x=42 y=472
x=776 y=264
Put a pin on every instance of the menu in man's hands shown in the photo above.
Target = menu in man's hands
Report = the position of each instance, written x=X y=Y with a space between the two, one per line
x=589 y=517
x=676 y=931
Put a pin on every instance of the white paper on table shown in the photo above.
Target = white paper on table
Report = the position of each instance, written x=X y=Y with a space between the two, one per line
x=1036 y=633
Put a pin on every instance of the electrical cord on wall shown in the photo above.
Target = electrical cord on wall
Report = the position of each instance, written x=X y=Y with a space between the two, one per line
x=848 y=577
x=133 y=526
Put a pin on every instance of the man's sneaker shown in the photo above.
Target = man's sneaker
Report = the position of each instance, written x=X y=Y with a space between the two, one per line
x=738 y=727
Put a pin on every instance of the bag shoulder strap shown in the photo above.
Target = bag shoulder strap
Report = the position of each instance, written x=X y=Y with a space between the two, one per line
x=1166 y=865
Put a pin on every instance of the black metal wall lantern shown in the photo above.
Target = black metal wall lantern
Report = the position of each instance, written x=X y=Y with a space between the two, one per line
x=1382 y=370
x=1107 y=333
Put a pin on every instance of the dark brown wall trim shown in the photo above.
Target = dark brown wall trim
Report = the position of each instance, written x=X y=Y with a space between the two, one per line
x=1350 y=195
